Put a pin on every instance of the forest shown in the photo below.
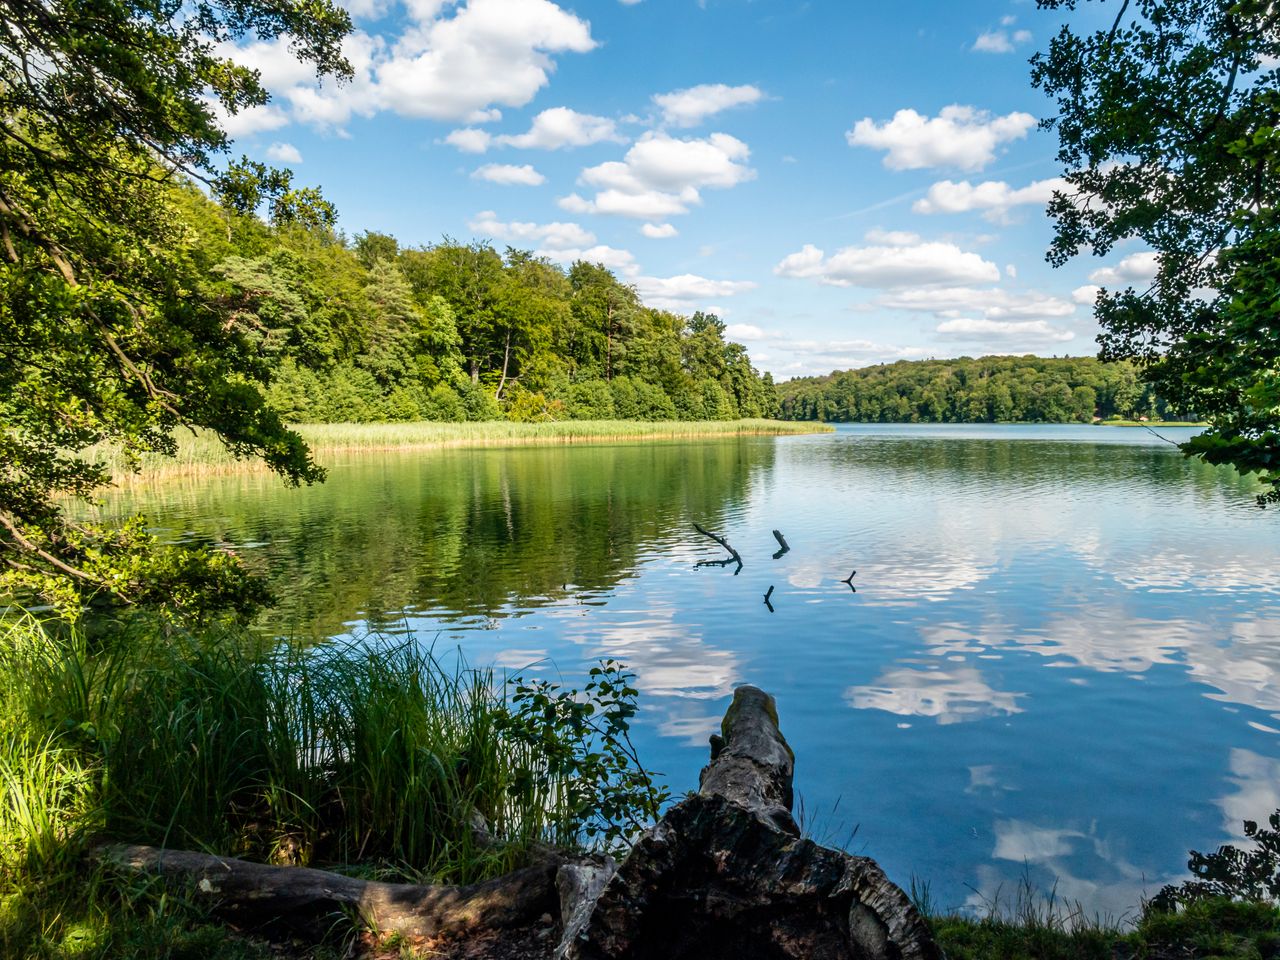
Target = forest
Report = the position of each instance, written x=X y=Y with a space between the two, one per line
x=996 y=389
x=361 y=330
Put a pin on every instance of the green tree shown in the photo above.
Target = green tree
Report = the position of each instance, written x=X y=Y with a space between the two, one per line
x=1167 y=123
x=110 y=328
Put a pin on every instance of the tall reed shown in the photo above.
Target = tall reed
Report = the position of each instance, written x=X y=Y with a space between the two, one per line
x=201 y=452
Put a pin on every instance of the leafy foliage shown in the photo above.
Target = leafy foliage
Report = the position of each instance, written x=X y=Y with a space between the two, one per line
x=1167 y=125
x=585 y=754
x=1249 y=874
x=985 y=390
x=112 y=326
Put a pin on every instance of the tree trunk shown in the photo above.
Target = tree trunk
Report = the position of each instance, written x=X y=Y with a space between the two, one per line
x=725 y=874
x=299 y=898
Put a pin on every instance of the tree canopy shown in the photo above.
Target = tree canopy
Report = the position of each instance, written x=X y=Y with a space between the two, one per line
x=1167 y=121
x=981 y=390
x=112 y=326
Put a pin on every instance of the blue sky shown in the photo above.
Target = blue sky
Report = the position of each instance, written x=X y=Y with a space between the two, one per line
x=844 y=183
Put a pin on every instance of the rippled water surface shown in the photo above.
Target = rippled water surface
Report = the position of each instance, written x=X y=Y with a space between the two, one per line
x=1060 y=662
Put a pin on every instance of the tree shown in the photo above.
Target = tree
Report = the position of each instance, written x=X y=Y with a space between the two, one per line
x=1168 y=129
x=110 y=327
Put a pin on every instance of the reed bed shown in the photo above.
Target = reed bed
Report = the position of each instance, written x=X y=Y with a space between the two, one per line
x=202 y=452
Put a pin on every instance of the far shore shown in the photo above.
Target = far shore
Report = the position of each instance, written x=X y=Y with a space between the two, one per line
x=202 y=453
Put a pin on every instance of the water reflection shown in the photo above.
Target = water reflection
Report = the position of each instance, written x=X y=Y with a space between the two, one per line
x=1051 y=626
x=947 y=696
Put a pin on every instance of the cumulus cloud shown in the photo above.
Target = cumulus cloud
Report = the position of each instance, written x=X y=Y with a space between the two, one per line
x=451 y=62
x=992 y=303
x=619 y=261
x=284 y=153
x=960 y=136
x=1137 y=268
x=676 y=293
x=658 y=231
x=1009 y=331
x=469 y=140
x=509 y=174
x=690 y=107
x=645 y=205
x=1087 y=295
x=748 y=332
x=1000 y=41
x=662 y=176
x=891 y=238
x=553 y=236
x=920 y=264
x=553 y=129
x=992 y=197
x=250 y=120
x=561 y=127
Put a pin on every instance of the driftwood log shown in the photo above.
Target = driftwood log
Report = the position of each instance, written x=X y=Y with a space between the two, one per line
x=734 y=556
x=725 y=875
x=303 y=900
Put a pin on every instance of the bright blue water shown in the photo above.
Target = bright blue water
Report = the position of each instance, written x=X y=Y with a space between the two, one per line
x=1060 y=663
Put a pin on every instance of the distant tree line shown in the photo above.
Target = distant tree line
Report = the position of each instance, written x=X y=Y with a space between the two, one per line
x=365 y=330
x=982 y=390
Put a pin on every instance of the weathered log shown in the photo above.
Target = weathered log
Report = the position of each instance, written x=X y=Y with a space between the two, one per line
x=725 y=874
x=733 y=557
x=259 y=895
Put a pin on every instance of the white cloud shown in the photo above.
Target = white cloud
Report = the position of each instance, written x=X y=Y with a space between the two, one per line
x=959 y=136
x=249 y=120
x=284 y=153
x=1137 y=268
x=509 y=174
x=748 y=332
x=658 y=231
x=561 y=127
x=690 y=107
x=1087 y=295
x=992 y=303
x=993 y=197
x=1000 y=41
x=554 y=236
x=647 y=205
x=891 y=238
x=889 y=267
x=469 y=140
x=1011 y=331
x=679 y=292
x=453 y=61
x=661 y=176
x=619 y=261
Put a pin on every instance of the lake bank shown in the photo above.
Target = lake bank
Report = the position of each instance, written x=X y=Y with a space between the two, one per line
x=200 y=453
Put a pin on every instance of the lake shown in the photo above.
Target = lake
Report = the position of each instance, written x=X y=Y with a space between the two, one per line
x=1061 y=663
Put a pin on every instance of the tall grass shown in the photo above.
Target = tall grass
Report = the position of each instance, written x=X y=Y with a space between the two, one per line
x=202 y=452
x=373 y=757
x=372 y=752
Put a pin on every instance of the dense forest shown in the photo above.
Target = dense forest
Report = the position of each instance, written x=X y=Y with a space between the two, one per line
x=364 y=330
x=985 y=390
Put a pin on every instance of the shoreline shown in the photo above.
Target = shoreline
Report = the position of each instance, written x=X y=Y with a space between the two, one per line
x=202 y=453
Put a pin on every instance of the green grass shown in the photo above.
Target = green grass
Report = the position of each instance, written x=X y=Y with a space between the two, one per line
x=1040 y=927
x=371 y=757
x=1153 y=424
x=202 y=452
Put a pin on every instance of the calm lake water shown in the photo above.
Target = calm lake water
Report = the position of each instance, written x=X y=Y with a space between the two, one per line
x=1062 y=660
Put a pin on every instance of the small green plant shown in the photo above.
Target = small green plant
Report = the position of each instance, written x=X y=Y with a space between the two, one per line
x=1251 y=874
x=585 y=765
